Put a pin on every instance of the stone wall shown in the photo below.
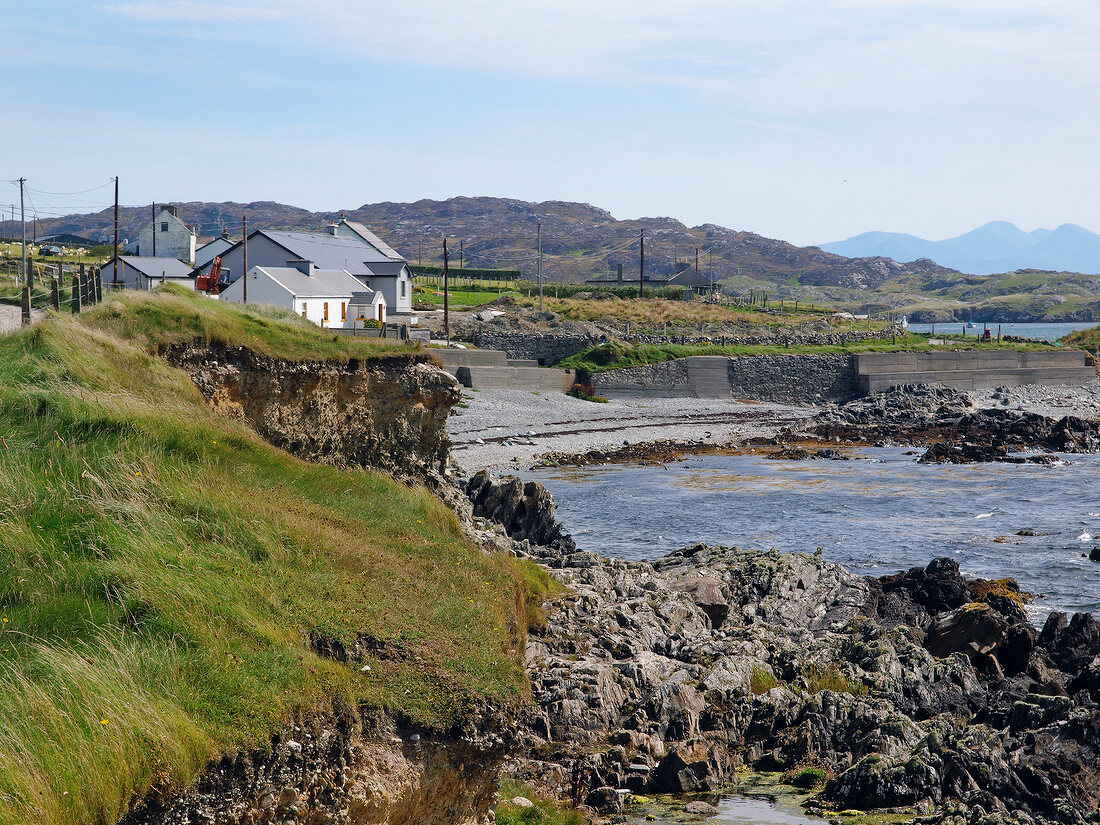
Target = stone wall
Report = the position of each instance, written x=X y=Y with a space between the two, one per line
x=789 y=379
x=794 y=379
x=546 y=348
x=665 y=380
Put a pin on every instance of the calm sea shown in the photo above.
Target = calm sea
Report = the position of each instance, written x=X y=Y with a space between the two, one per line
x=876 y=514
x=1034 y=332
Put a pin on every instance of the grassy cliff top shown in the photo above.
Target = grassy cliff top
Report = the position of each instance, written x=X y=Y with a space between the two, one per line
x=173 y=315
x=164 y=572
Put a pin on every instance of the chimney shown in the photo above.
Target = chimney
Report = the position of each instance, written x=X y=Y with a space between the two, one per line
x=305 y=267
x=332 y=227
x=171 y=210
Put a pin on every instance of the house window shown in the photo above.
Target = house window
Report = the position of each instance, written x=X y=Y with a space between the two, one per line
x=164 y=226
x=402 y=288
x=343 y=311
x=326 y=310
x=303 y=310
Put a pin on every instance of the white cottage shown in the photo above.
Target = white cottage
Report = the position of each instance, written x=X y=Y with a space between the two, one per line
x=319 y=295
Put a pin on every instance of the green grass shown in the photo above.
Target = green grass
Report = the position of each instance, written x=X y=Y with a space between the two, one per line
x=164 y=571
x=545 y=811
x=172 y=315
x=1086 y=339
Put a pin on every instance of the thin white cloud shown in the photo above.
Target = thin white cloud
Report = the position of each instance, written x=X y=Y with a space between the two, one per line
x=193 y=12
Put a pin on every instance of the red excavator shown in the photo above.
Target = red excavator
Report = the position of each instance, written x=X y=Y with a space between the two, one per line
x=211 y=282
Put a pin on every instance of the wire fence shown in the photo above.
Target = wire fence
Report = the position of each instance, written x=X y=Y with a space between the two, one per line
x=54 y=286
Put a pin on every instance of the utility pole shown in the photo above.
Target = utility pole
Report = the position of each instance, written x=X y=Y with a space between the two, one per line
x=540 y=264
x=116 y=232
x=244 y=248
x=27 y=279
x=461 y=252
x=641 y=266
x=154 y=229
x=446 y=306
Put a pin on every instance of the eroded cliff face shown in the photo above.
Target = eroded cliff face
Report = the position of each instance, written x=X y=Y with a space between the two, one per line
x=341 y=767
x=388 y=413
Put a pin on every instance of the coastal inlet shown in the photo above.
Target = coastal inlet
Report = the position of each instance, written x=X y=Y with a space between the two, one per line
x=876 y=514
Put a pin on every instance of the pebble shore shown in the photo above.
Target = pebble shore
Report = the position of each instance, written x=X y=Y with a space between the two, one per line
x=504 y=430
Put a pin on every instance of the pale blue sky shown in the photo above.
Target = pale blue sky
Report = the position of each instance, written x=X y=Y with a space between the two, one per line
x=808 y=120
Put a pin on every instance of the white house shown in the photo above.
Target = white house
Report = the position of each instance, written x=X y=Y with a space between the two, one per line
x=319 y=295
x=345 y=246
x=136 y=272
x=174 y=238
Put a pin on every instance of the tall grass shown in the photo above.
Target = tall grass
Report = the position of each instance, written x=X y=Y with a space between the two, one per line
x=163 y=571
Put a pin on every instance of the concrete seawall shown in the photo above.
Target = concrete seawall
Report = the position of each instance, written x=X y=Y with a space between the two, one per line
x=802 y=379
x=484 y=369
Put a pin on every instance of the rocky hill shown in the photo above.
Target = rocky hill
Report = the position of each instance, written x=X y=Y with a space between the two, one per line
x=579 y=241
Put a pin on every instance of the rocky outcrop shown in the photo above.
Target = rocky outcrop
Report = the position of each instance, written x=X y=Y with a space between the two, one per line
x=924 y=414
x=345 y=767
x=388 y=413
x=923 y=689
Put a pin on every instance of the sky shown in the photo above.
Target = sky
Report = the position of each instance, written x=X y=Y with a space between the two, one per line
x=806 y=120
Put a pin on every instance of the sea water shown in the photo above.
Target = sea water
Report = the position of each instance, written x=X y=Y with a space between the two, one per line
x=877 y=514
x=1033 y=332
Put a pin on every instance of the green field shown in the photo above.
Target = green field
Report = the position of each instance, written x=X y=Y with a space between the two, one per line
x=164 y=571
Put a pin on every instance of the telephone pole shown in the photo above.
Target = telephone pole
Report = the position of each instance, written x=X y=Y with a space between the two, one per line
x=154 y=229
x=116 y=233
x=27 y=279
x=461 y=253
x=244 y=248
x=540 y=265
x=446 y=306
x=641 y=266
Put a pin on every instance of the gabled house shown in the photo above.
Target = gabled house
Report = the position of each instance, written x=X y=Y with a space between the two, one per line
x=135 y=272
x=173 y=238
x=346 y=246
x=319 y=295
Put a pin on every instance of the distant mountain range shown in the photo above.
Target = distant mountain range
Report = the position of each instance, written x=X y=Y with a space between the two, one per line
x=578 y=241
x=998 y=246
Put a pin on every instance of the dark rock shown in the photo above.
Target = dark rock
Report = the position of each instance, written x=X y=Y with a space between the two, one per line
x=975 y=629
x=685 y=769
x=604 y=800
x=1094 y=554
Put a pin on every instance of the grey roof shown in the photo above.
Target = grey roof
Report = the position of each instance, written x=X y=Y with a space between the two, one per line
x=363 y=297
x=346 y=251
x=385 y=269
x=373 y=240
x=323 y=283
x=153 y=267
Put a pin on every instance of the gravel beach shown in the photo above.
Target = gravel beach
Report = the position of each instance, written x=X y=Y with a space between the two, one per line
x=503 y=430
x=1053 y=401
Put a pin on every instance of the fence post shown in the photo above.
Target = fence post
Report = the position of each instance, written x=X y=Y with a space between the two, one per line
x=26 y=295
x=76 y=294
x=55 y=293
x=97 y=282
